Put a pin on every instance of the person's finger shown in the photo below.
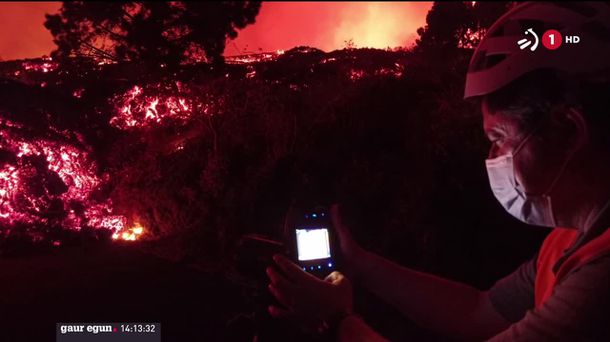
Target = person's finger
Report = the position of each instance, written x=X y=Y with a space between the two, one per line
x=293 y=271
x=281 y=296
x=279 y=281
x=278 y=312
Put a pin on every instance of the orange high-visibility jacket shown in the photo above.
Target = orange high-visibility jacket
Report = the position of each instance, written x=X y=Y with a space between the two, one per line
x=552 y=250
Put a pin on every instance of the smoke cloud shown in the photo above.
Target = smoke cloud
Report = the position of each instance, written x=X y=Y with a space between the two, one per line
x=329 y=25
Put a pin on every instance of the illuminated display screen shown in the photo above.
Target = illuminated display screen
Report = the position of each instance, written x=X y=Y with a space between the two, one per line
x=313 y=244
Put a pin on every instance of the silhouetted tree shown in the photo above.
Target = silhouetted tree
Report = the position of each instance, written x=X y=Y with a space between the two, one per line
x=163 y=32
x=446 y=23
x=485 y=14
x=459 y=24
x=452 y=30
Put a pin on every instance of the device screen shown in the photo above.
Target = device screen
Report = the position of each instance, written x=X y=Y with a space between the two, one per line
x=313 y=244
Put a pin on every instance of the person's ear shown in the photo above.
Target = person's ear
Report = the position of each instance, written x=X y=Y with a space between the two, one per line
x=570 y=126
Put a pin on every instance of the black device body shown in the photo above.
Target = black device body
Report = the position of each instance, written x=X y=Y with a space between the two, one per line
x=313 y=239
x=254 y=255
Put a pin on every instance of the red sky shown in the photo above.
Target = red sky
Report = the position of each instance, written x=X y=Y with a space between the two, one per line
x=279 y=25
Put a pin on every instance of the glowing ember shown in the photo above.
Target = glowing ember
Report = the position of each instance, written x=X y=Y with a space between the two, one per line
x=105 y=62
x=131 y=234
x=251 y=74
x=101 y=217
x=396 y=71
x=9 y=184
x=327 y=60
x=78 y=93
x=355 y=75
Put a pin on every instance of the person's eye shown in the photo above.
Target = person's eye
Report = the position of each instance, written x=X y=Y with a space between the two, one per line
x=494 y=137
x=496 y=146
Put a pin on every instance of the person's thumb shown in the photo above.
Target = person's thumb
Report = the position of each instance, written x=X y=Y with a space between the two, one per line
x=334 y=277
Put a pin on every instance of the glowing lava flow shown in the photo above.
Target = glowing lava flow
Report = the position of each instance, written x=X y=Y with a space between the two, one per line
x=47 y=183
x=137 y=109
x=255 y=57
x=46 y=65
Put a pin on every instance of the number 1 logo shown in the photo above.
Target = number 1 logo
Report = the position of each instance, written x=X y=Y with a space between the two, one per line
x=552 y=39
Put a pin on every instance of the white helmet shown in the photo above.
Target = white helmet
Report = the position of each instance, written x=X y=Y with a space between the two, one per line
x=498 y=60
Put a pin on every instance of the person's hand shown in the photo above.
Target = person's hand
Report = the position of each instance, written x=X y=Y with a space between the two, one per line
x=351 y=252
x=304 y=297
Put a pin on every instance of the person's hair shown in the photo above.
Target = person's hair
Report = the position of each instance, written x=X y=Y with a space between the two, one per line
x=532 y=97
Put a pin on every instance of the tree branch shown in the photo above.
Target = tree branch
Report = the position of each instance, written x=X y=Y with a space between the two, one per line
x=100 y=51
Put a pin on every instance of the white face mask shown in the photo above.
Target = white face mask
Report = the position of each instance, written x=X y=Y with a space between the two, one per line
x=532 y=209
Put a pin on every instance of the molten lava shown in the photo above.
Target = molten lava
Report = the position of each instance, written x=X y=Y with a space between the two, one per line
x=140 y=107
x=45 y=66
x=51 y=180
x=46 y=182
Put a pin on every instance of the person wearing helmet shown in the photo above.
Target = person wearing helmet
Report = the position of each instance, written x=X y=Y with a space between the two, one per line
x=547 y=115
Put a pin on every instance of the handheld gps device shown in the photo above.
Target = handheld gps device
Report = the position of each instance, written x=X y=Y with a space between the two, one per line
x=313 y=241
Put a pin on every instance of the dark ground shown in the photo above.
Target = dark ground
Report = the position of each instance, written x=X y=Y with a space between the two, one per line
x=109 y=283
x=120 y=282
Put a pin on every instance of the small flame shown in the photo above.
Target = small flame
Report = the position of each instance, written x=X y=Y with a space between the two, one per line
x=130 y=234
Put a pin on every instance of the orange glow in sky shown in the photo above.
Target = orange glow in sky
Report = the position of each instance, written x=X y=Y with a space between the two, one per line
x=279 y=25
x=328 y=25
x=22 y=33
